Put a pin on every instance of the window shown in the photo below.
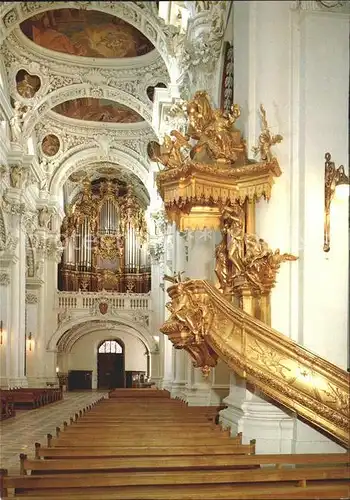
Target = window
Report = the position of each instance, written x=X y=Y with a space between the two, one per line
x=110 y=346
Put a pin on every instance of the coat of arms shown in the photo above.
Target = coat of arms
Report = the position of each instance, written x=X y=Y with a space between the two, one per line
x=103 y=307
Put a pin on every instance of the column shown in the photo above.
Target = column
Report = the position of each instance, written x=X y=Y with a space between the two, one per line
x=200 y=265
x=179 y=382
x=34 y=359
x=48 y=315
x=4 y=317
x=16 y=325
x=201 y=254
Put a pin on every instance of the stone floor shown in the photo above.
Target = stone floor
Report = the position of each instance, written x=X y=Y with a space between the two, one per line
x=18 y=434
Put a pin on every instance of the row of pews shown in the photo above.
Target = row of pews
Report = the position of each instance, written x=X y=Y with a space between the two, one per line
x=27 y=398
x=7 y=406
x=141 y=445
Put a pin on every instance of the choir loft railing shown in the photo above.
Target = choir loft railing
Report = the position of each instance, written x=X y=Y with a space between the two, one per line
x=88 y=300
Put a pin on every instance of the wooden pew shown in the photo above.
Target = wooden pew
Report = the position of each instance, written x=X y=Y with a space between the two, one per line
x=143 y=451
x=173 y=463
x=93 y=485
x=33 y=398
x=25 y=400
x=7 y=409
x=139 y=393
x=149 y=461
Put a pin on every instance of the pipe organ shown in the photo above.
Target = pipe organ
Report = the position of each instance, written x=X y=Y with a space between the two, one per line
x=104 y=235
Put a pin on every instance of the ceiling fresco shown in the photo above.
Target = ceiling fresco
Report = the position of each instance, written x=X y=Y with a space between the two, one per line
x=99 y=110
x=86 y=33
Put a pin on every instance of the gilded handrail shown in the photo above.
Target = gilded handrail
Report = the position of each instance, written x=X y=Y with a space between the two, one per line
x=205 y=324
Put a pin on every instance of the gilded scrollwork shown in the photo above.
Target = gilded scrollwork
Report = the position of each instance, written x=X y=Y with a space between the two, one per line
x=189 y=324
x=208 y=327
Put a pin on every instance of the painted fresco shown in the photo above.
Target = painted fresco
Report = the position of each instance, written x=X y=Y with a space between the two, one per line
x=50 y=145
x=86 y=33
x=98 y=110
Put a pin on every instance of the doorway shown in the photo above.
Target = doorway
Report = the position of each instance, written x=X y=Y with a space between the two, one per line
x=110 y=364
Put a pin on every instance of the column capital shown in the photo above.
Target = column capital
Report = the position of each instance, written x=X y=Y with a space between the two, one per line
x=5 y=278
x=31 y=298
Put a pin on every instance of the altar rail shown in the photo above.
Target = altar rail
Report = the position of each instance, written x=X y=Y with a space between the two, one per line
x=88 y=300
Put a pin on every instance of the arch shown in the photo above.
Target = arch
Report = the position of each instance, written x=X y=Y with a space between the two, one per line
x=79 y=90
x=71 y=331
x=146 y=21
x=140 y=189
x=91 y=153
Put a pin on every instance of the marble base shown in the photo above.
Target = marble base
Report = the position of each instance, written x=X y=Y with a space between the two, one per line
x=157 y=381
x=17 y=382
x=275 y=430
x=178 y=389
x=41 y=382
x=166 y=384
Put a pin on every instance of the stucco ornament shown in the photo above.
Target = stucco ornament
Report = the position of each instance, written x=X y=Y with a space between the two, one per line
x=157 y=250
x=341 y=6
x=199 y=51
x=9 y=244
x=5 y=279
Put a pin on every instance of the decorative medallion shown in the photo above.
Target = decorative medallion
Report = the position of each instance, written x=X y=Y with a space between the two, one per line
x=103 y=307
x=27 y=85
x=50 y=145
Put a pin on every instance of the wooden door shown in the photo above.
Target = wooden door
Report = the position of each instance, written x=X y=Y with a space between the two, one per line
x=79 y=380
x=110 y=370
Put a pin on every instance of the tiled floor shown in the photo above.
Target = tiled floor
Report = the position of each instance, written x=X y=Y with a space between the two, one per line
x=18 y=434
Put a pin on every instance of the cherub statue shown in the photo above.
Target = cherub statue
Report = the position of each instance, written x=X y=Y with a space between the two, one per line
x=217 y=139
x=18 y=176
x=43 y=216
x=172 y=153
x=266 y=140
x=17 y=121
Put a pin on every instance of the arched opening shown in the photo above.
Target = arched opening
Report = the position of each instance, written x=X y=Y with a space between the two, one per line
x=110 y=364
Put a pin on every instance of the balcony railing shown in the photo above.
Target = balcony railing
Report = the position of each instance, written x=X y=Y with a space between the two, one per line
x=88 y=300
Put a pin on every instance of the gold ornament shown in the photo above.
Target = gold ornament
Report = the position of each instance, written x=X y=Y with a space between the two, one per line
x=207 y=167
x=266 y=140
x=208 y=327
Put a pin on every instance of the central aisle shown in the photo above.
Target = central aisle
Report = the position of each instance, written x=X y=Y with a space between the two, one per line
x=18 y=434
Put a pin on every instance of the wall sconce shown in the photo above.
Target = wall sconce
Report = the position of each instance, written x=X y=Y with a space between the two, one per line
x=30 y=342
x=334 y=178
x=1 y=333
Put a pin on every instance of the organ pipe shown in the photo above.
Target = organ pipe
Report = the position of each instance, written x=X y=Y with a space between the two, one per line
x=103 y=239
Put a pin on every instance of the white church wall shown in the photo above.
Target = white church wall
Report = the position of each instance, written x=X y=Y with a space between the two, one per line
x=285 y=60
x=83 y=355
x=324 y=82
x=302 y=82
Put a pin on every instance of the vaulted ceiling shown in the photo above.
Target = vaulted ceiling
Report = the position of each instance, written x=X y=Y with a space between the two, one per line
x=86 y=75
